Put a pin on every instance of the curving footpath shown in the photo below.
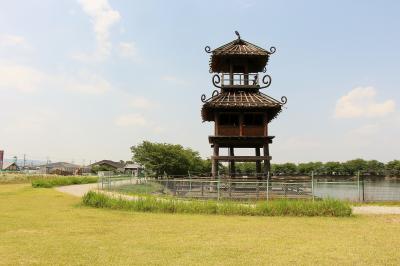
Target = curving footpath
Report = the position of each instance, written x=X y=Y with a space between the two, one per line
x=80 y=190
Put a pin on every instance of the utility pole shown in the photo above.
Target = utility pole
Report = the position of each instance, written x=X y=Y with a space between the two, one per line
x=23 y=167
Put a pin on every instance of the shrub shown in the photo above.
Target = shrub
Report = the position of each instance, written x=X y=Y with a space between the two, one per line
x=327 y=207
x=62 y=181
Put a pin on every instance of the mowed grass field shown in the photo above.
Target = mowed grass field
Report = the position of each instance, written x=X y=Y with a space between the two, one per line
x=44 y=227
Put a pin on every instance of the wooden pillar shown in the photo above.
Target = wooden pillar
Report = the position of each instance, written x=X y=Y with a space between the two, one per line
x=232 y=169
x=241 y=124
x=267 y=164
x=231 y=74
x=258 y=163
x=246 y=74
x=216 y=124
x=214 y=161
x=265 y=125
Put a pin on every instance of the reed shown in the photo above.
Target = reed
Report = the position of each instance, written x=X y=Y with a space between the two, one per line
x=328 y=207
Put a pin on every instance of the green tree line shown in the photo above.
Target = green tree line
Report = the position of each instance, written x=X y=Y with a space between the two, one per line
x=174 y=159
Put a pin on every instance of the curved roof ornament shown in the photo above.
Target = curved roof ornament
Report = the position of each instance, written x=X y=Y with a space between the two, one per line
x=237 y=34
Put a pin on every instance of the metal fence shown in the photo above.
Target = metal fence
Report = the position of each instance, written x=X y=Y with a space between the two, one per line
x=354 y=188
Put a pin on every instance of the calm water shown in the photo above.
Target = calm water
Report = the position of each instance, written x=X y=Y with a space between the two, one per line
x=381 y=190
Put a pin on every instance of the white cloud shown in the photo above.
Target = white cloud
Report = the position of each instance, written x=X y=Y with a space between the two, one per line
x=9 y=40
x=103 y=17
x=361 y=102
x=142 y=103
x=21 y=78
x=127 y=49
x=128 y=120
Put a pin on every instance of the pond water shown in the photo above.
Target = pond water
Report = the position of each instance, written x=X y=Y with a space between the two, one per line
x=382 y=190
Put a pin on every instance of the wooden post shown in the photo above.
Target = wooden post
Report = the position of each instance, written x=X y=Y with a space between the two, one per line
x=216 y=124
x=258 y=163
x=241 y=124
x=231 y=74
x=214 y=161
x=218 y=186
x=232 y=169
x=246 y=74
x=267 y=165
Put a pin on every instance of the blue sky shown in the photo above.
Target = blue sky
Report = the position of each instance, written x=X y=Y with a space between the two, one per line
x=85 y=80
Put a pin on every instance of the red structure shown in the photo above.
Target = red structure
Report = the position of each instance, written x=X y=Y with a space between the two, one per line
x=240 y=112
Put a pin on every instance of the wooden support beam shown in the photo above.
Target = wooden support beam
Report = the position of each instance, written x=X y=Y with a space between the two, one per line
x=214 y=161
x=258 y=163
x=232 y=169
x=241 y=158
x=267 y=164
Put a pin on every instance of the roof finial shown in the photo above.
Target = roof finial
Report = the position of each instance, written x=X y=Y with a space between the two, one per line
x=237 y=33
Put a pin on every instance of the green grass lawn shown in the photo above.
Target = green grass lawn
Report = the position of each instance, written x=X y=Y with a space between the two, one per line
x=43 y=226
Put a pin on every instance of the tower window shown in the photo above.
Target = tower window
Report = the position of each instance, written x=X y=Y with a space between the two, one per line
x=229 y=119
x=253 y=119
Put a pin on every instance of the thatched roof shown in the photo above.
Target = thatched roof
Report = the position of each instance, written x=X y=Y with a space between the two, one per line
x=240 y=100
x=238 y=50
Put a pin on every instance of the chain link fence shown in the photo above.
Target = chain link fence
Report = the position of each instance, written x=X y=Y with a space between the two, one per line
x=246 y=187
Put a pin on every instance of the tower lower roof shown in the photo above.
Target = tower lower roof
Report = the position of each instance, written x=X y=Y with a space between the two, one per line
x=239 y=101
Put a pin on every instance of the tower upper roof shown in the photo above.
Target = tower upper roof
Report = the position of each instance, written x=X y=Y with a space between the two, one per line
x=239 y=50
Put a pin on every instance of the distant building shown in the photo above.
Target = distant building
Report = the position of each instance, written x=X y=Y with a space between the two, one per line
x=108 y=165
x=10 y=166
x=62 y=168
x=133 y=169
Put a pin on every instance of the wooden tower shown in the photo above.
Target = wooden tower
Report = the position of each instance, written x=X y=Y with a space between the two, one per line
x=240 y=112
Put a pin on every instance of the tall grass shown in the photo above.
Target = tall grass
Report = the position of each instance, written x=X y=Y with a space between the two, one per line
x=17 y=178
x=327 y=207
x=62 y=181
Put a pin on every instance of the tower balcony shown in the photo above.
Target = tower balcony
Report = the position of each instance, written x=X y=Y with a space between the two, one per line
x=241 y=80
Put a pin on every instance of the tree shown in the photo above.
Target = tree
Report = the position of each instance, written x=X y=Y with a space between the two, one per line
x=286 y=168
x=353 y=166
x=393 y=168
x=246 y=168
x=333 y=168
x=307 y=168
x=160 y=158
x=375 y=168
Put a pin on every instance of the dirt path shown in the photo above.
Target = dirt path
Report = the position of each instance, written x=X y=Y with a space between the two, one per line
x=80 y=190
x=376 y=210
x=77 y=190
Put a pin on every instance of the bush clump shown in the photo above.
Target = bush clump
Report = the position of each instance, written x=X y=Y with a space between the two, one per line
x=329 y=207
x=62 y=181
